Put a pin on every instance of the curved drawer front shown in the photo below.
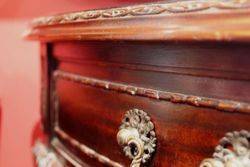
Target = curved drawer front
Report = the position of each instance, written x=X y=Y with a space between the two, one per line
x=89 y=112
x=147 y=85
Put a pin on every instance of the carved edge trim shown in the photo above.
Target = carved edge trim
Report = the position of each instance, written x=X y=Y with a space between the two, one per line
x=88 y=151
x=142 y=10
x=65 y=154
x=218 y=104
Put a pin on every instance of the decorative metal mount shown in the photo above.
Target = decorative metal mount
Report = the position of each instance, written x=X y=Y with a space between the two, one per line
x=233 y=151
x=137 y=136
x=45 y=158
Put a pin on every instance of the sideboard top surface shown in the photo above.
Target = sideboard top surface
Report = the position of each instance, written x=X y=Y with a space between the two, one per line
x=191 y=20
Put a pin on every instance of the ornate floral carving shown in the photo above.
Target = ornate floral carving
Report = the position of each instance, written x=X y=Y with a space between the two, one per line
x=90 y=15
x=137 y=136
x=233 y=151
x=148 y=9
x=188 y=6
x=115 y=12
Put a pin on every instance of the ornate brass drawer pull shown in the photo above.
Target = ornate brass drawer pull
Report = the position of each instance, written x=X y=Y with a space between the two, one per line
x=233 y=151
x=137 y=136
x=45 y=158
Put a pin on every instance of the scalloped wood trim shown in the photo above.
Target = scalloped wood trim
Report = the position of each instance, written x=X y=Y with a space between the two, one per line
x=218 y=104
x=142 y=10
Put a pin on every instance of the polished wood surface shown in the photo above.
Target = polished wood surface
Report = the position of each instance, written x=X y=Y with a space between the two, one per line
x=182 y=68
x=91 y=114
x=174 y=21
x=93 y=117
x=186 y=66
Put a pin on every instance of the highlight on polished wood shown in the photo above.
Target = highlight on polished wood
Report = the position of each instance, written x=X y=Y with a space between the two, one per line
x=161 y=84
x=192 y=20
x=223 y=105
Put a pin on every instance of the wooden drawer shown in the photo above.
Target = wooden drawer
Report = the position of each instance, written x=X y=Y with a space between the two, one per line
x=89 y=111
x=201 y=69
x=184 y=65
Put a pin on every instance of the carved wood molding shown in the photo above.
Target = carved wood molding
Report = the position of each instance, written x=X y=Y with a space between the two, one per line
x=143 y=10
x=73 y=142
x=218 y=104
x=88 y=151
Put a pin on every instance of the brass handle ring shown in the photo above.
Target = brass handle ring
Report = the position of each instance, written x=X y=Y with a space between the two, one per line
x=137 y=137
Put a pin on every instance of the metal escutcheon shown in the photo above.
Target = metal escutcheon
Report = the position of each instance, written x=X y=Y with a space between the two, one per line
x=44 y=157
x=137 y=137
x=233 y=151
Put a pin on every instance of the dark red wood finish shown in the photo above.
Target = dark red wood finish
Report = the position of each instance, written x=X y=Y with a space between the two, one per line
x=196 y=52
x=186 y=134
x=182 y=68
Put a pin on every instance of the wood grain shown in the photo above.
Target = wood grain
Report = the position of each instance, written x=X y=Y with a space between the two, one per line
x=216 y=70
x=93 y=117
x=224 y=105
x=184 y=63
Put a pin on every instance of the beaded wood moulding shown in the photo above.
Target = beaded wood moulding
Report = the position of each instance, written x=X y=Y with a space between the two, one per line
x=226 y=20
x=144 y=10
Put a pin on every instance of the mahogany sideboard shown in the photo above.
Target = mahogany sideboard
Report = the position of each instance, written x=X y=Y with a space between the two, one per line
x=163 y=84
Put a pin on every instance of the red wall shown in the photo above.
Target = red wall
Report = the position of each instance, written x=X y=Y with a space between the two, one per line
x=33 y=8
x=20 y=72
x=19 y=93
